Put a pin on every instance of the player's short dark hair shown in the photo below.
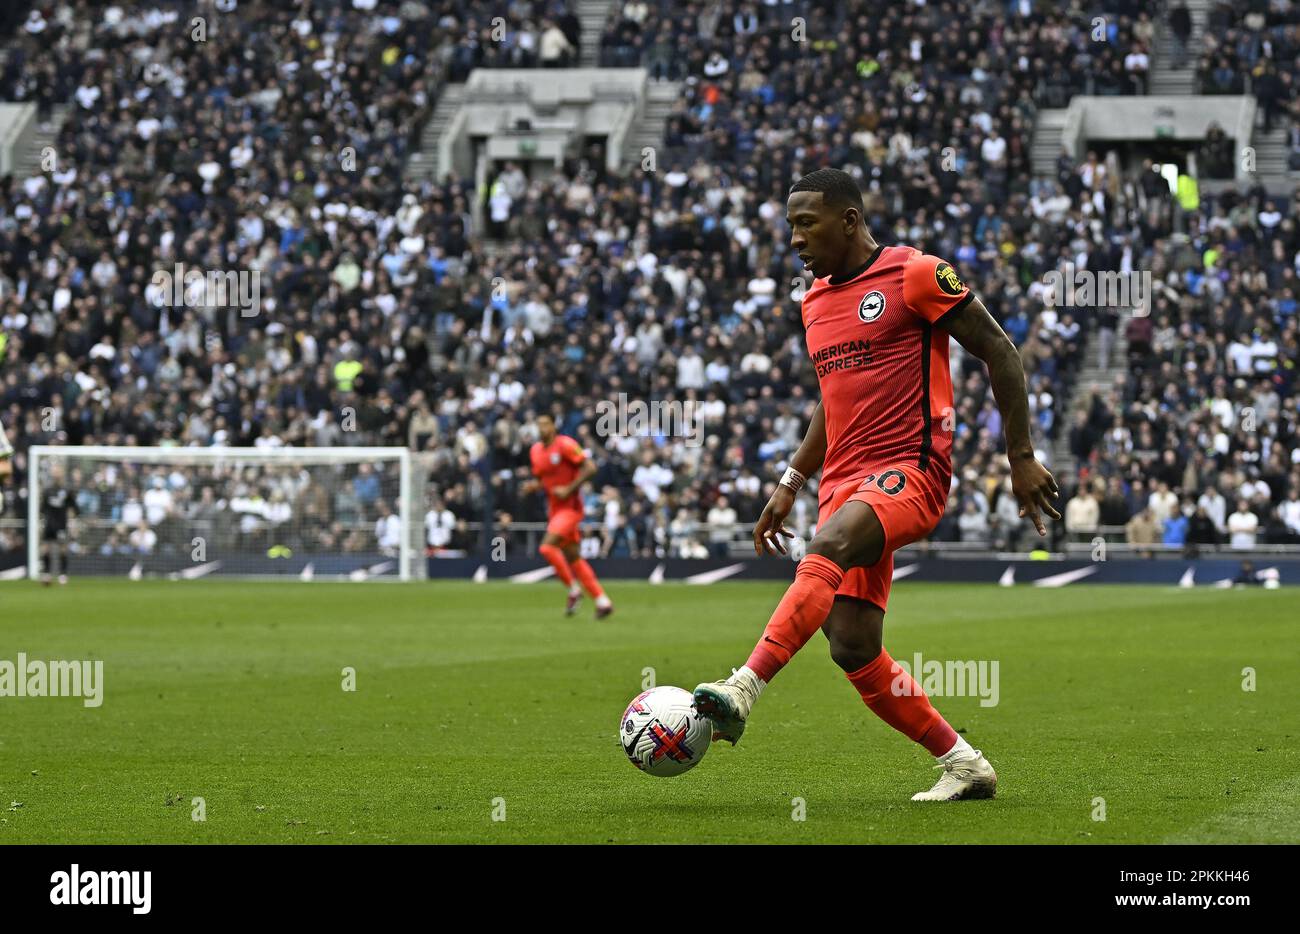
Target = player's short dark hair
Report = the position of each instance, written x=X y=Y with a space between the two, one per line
x=838 y=188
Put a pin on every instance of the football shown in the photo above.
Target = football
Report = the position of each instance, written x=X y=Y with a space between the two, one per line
x=662 y=734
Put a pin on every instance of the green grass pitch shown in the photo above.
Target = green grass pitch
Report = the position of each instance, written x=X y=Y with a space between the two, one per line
x=475 y=700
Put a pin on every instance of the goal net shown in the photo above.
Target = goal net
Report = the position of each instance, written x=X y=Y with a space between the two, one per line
x=184 y=513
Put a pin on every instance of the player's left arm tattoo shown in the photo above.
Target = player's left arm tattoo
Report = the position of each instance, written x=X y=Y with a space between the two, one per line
x=977 y=331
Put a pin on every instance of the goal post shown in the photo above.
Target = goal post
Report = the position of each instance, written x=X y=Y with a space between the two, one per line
x=328 y=513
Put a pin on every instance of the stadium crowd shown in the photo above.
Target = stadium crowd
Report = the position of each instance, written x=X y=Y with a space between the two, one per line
x=516 y=35
x=385 y=317
x=263 y=139
x=1198 y=440
x=1050 y=50
x=1254 y=47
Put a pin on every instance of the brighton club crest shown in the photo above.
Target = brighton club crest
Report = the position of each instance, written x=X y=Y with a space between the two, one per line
x=871 y=307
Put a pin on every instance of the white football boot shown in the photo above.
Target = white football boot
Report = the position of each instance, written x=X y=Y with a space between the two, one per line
x=962 y=779
x=728 y=703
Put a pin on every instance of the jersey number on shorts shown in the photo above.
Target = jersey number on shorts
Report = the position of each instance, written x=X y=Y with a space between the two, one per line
x=890 y=482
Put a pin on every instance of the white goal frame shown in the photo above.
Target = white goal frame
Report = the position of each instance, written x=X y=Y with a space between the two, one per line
x=411 y=514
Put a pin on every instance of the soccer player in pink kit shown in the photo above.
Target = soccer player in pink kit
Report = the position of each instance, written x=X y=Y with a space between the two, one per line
x=877 y=323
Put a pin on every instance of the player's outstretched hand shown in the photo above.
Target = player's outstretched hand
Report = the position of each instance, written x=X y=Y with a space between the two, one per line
x=1035 y=489
x=771 y=524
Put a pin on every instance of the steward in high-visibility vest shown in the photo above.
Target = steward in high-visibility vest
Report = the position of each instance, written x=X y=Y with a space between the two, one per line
x=1189 y=195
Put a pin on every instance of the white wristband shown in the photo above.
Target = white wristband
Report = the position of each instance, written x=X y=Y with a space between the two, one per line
x=793 y=479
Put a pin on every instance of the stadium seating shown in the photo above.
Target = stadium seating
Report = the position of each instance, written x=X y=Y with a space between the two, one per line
x=672 y=285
